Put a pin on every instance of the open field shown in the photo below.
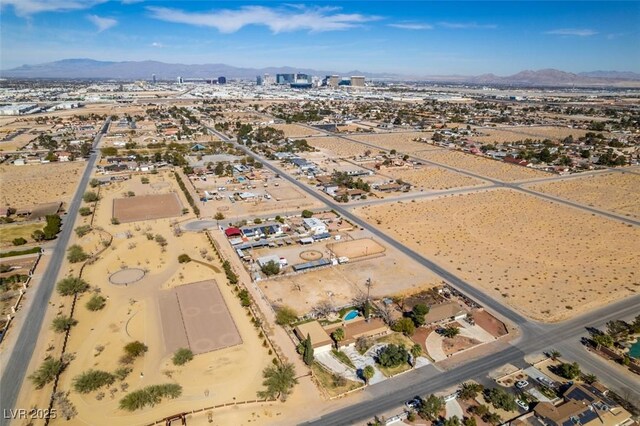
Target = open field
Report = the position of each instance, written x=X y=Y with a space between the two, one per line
x=481 y=166
x=284 y=193
x=512 y=134
x=25 y=186
x=339 y=147
x=433 y=178
x=9 y=232
x=296 y=130
x=401 y=142
x=616 y=192
x=546 y=260
x=146 y=207
x=356 y=248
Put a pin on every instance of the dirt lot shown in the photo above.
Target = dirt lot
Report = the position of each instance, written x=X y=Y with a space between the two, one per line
x=296 y=130
x=546 y=260
x=502 y=134
x=356 y=248
x=25 y=186
x=146 y=207
x=616 y=192
x=284 y=193
x=490 y=323
x=433 y=178
x=338 y=147
x=481 y=166
x=401 y=142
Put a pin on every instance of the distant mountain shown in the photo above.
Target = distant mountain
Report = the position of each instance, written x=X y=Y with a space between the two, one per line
x=130 y=70
x=142 y=70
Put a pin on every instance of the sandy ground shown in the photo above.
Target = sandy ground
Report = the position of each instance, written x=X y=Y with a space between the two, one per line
x=548 y=261
x=616 y=192
x=25 y=186
x=356 y=248
x=481 y=166
x=338 y=147
x=296 y=130
x=433 y=178
x=401 y=142
x=146 y=207
x=502 y=134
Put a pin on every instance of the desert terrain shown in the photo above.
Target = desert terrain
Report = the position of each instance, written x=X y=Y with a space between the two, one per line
x=400 y=141
x=434 y=178
x=548 y=261
x=338 y=147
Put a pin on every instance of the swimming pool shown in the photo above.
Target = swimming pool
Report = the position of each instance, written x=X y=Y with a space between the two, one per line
x=351 y=315
x=634 y=350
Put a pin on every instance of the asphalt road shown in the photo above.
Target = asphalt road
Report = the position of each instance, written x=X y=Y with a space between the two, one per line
x=535 y=336
x=21 y=353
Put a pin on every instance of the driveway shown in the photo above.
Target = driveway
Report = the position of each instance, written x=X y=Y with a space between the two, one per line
x=434 y=346
x=331 y=363
x=453 y=408
x=361 y=361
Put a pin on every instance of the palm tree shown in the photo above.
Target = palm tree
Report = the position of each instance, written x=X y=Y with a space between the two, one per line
x=279 y=380
x=554 y=354
x=338 y=336
x=416 y=351
x=367 y=373
x=470 y=390
x=450 y=332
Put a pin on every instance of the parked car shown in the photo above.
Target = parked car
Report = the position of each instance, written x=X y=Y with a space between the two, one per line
x=521 y=384
x=522 y=405
x=413 y=404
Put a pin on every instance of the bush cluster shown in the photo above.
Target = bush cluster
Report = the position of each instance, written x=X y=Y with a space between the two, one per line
x=187 y=194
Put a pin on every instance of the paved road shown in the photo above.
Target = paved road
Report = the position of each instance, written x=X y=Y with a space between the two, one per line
x=535 y=336
x=21 y=353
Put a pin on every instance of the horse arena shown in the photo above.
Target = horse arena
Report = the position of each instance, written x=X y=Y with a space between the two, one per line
x=196 y=316
x=356 y=248
x=146 y=207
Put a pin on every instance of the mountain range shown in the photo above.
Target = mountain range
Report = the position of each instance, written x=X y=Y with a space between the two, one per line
x=143 y=70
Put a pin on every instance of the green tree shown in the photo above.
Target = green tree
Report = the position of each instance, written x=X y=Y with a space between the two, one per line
x=618 y=329
x=92 y=380
x=368 y=373
x=452 y=421
x=500 y=399
x=307 y=214
x=392 y=355
x=481 y=410
x=53 y=226
x=19 y=241
x=270 y=268
x=418 y=313
x=83 y=230
x=71 y=285
x=184 y=258
x=492 y=418
x=84 y=211
x=38 y=235
x=76 y=254
x=470 y=390
x=90 y=197
x=450 y=331
x=416 y=351
x=286 y=315
x=404 y=325
x=182 y=356
x=279 y=380
x=218 y=217
x=431 y=407
x=150 y=395
x=469 y=421
x=46 y=373
x=94 y=182
x=338 y=336
x=96 y=303
x=569 y=370
x=603 y=340
x=135 y=349
x=554 y=354
x=62 y=323
x=589 y=378
x=307 y=356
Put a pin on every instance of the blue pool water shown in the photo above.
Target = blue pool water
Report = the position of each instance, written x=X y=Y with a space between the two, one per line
x=351 y=315
x=634 y=350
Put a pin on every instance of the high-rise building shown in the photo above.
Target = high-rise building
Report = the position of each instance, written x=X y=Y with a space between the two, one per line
x=331 y=81
x=259 y=80
x=357 y=81
x=303 y=78
x=153 y=78
x=285 y=78
x=222 y=80
x=180 y=81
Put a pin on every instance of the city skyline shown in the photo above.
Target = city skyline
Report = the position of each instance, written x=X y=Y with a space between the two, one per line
x=417 y=38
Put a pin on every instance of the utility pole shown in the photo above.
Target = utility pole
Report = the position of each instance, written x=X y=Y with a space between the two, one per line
x=367 y=307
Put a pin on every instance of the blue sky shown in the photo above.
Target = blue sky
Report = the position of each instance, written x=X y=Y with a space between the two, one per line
x=413 y=38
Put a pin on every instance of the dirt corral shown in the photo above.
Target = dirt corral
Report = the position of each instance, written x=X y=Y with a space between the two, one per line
x=146 y=207
x=356 y=248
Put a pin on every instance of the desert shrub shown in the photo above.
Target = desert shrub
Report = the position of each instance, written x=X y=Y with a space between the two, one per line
x=184 y=258
x=76 y=254
x=150 y=395
x=84 y=211
x=286 y=315
x=62 y=323
x=182 y=356
x=96 y=302
x=115 y=221
x=72 y=285
x=135 y=349
x=19 y=241
x=46 y=373
x=94 y=183
x=92 y=380
x=122 y=372
x=270 y=268
x=90 y=197
x=307 y=214
x=83 y=230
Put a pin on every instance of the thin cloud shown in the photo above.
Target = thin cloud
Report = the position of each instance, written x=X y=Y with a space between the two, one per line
x=572 y=32
x=467 y=26
x=411 y=26
x=26 y=8
x=156 y=44
x=102 y=23
x=283 y=19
